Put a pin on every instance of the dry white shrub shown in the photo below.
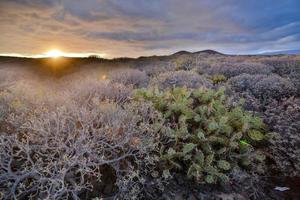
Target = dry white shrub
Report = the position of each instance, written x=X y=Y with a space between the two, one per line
x=128 y=76
x=157 y=67
x=181 y=78
x=64 y=153
x=74 y=138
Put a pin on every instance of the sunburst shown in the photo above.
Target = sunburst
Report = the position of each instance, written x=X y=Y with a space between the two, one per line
x=54 y=53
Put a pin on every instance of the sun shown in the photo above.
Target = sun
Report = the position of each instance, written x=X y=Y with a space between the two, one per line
x=54 y=53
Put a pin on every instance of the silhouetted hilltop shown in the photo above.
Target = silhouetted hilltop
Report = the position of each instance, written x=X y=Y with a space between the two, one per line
x=208 y=51
x=179 y=53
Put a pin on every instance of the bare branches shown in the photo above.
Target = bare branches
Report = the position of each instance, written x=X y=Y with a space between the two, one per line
x=57 y=154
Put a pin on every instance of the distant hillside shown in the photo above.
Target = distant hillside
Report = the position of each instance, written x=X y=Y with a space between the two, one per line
x=98 y=59
x=208 y=51
x=291 y=52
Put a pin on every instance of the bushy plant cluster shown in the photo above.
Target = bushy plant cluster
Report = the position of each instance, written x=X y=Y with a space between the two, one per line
x=3 y=105
x=181 y=78
x=244 y=182
x=283 y=66
x=283 y=118
x=128 y=76
x=201 y=66
x=295 y=79
x=13 y=108
x=287 y=68
x=85 y=91
x=230 y=69
x=155 y=68
x=203 y=136
x=79 y=153
x=263 y=86
x=84 y=136
x=55 y=152
x=218 y=78
x=248 y=100
x=185 y=62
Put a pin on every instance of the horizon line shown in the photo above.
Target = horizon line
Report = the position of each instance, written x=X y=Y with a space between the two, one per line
x=63 y=54
x=105 y=56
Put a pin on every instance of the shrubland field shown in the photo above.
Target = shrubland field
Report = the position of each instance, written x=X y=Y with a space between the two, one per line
x=186 y=126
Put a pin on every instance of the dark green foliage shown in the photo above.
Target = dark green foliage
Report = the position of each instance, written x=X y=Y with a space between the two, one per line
x=203 y=136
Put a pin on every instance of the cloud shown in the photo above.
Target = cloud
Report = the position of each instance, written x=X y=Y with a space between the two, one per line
x=142 y=27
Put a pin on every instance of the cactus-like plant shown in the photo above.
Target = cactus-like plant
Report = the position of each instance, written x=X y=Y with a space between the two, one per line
x=217 y=78
x=203 y=135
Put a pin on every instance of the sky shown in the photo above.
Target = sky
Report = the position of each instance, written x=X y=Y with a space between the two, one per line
x=132 y=28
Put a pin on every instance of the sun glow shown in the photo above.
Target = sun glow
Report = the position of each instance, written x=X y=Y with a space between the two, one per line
x=54 y=53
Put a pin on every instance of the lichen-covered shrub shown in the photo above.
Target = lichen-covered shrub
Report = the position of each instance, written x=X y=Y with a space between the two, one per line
x=185 y=62
x=283 y=66
x=234 y=69
x=86 y=91
x=204 y=136
x=79 y=91
x=274 y=87
x=181 y=78
x=129 y=76
x=245 y=99
x=155 y=68
x=263 y=86
x=295 y=79
x=249 y=185
x=30 y=93
x=68 y=154
x=13 y=107
x=4 y=106
x=201 y=67
x=283 y=118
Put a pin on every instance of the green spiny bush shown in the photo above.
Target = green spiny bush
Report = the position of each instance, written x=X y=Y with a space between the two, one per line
x=203 y=136
x=217 y=78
